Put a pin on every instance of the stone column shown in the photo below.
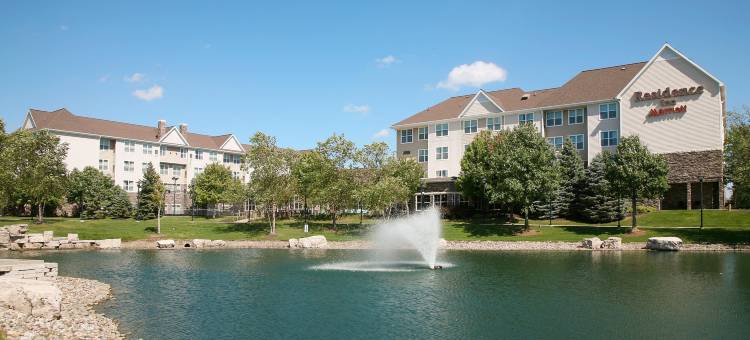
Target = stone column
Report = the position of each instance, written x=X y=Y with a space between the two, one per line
x=721 y=193
x=689 y=196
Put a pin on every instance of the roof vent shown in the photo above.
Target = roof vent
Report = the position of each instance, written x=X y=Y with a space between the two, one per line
x=525 y=96
x=623 y=68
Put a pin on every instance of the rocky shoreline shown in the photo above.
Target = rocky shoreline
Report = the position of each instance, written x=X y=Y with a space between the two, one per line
x=449 y=245
x=78 y=320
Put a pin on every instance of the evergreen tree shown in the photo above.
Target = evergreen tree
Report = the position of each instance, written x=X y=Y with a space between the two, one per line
x=568 y=199
x=119 y=203
x=151 y=195
x=598 y=204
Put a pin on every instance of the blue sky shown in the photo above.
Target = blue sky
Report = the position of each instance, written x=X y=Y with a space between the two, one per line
x=302 y=71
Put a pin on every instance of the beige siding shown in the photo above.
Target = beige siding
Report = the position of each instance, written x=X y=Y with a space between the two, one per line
x=594 y=127
x=698 y=129
x=481 y=107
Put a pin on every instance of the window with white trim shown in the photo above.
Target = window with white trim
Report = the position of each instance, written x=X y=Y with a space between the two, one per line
x=441 y=173
x=162 y=150
x=197 y=171
x=105 y=144
x=441 y=152
x=556 y=142
x=608 y=111
x=183 y=153
x=163 y=169
x=470 y=126
x=128 y=145
x=407 y=136
x=212 y=156
x=608 y=138
x=494 y=123
x=575 y=116
x=198 y=154
x=176 y=170
x=422 y=133
x=129 y=166
x=127 y=186
x=441 y=129
x=577 y=141
x=553 y=118
x=526 y=118
x=148 y=149
x=422 y=155
x=103 y=165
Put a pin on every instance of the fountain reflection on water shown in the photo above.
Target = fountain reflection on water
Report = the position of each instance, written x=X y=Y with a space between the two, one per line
x=420 y=232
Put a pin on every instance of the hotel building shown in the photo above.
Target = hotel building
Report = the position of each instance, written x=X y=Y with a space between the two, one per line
x=675 y=106
x=123 y=151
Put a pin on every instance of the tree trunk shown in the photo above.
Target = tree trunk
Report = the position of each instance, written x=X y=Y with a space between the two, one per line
x=361 y=214
x=39 y=213
x=158 y=220
x=406 y=203
x=526 y=218
x=634 y=226
x=273 y=219
x=333 y=215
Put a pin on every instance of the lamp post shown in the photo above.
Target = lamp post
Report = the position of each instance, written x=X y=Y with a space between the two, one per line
x=174 y=195
x=138 y=193
x=701 y=193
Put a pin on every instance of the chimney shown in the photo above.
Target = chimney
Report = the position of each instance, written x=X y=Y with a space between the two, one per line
x=162 y=127
x=183 y=128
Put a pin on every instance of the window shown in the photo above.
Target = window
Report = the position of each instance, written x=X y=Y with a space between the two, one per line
x=163 y=169
x=441 y=129
x=198 y=170
x=129 y=145
x=526 y=118
x=144 y=166
x=422 y=155
x=422 y=133
x=441 y=152
x=236 y=174
x=556 y=142
x=229 y=158
x=176 y=171
x=212 y=156
x=237 y=159
x=554 y=118
x=577 y=141
x=609 y=138
x=407 y=136
x=575 y=116
x=103 y=165
x=162 y=150
x=441 y=173
x=127 y=186
x=147 y=149
x=608 y=111
x=129 y=166
x=470 y=126
x=198 y=154
x=183 y=153
x=494 y=123
x=105 y=144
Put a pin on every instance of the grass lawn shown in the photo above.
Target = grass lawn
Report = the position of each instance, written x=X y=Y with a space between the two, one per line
x=721 y=226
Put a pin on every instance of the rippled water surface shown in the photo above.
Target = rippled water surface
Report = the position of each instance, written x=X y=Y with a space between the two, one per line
x=271 y=293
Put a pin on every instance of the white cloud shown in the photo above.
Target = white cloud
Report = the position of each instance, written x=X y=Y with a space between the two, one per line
x=387 y=61
x=135 y=78
x=382 y=133
x=154 y=92
x=475 y=74
x=357 y=108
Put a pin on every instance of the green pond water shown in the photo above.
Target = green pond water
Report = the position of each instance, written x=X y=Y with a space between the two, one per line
x=270 y=294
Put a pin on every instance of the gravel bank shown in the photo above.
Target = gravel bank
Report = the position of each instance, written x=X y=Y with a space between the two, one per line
x=457 y=245
x=78 y=320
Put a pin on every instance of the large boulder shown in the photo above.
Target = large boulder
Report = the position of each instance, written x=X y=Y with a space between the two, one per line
x=198 y=243
x=112 y=243
x=664 y=243
x=591 y=243
x=293 y=243
x=4 y=237
x=72 y=237
x=162 y=244
x=317 y=241
x=17 y=229
x=218 y=243
x=612 y=243
x=34 y=297
x=36 y=238
x=48 y=235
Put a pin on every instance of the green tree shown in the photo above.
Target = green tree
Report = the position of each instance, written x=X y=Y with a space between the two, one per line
x=151 y=197
x=5 y=185
x=634 y=172
x=338 y=189
x=119 y=205
x=271 y=181
x=34 y=164
x=737 y=156
x=383 y=193
x=472 y=182
x=215 y=185
x=598 y=204
x=572 y=179
x=409 y=174
x=89 y=189
x=307 y=172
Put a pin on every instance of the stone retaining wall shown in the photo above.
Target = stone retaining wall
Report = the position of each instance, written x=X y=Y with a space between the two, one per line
x=16 y=237
x=27 y=269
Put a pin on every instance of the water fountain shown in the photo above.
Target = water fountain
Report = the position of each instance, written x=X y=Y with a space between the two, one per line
x=419 y=232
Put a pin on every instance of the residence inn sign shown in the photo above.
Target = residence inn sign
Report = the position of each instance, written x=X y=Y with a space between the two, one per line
x=668 y=99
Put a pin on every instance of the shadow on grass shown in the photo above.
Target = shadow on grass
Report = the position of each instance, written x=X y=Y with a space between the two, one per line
x=254 y=228
x=708 y=235
x=587 y=231
x=490 y=227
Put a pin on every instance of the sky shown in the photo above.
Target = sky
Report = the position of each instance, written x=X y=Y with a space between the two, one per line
x=302 y=71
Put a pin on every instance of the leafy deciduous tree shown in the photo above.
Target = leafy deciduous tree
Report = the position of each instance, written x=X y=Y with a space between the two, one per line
x=215 y=185
x=737 y=156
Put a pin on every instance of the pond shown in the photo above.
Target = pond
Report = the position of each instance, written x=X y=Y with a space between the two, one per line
x=273 y=293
